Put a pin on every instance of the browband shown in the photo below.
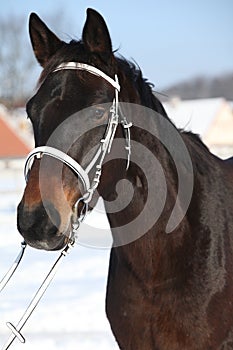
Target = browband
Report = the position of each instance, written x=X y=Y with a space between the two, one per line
x=90 y=69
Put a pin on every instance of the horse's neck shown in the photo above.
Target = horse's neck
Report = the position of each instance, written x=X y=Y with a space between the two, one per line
x=143 y=201
x=148 y=253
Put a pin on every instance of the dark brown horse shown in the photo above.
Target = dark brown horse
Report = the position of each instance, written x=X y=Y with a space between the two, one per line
x=170 y=284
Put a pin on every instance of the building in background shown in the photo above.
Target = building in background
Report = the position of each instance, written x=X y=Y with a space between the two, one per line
x=15 y=137
x=211 y=118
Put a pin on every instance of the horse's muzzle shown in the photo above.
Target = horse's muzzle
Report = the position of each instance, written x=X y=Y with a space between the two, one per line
x=40 y=226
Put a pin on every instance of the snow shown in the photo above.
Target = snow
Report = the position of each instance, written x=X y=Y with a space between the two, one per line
x=71 y=314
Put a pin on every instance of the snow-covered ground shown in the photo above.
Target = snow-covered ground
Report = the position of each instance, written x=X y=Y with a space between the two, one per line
x=71 y=314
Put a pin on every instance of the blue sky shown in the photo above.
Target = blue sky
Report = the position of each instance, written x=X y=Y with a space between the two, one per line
x=170 y=40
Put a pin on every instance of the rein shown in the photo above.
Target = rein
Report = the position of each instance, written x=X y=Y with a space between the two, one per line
x=88 y=186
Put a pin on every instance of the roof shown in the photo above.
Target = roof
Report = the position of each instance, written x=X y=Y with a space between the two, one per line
x=11 y=145
x=194 y=115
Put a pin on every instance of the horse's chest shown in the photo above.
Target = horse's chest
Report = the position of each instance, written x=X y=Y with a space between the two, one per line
x=140 y=321
x=140 y=326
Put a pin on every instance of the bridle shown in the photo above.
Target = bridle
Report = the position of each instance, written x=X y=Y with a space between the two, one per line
x=115 y=115
x=89 y=187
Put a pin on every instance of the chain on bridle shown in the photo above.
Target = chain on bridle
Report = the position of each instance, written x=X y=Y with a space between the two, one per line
x=89 y=187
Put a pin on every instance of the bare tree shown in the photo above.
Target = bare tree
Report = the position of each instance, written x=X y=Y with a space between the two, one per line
x=18 y=66
x=16 y=60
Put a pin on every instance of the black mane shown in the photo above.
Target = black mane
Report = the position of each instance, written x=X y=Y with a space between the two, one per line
x=145 y=89
x=143 y=86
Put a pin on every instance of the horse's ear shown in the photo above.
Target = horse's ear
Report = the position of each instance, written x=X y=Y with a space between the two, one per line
x=44 y=42
x=96 y=36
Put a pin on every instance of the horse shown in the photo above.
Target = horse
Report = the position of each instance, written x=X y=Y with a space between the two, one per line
x=170 y=280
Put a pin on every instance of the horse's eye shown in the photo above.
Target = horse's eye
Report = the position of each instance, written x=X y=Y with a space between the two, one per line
x=99 y=112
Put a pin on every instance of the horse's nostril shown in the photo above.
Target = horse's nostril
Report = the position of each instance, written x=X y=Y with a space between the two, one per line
x=39 y=223
x=25 y=218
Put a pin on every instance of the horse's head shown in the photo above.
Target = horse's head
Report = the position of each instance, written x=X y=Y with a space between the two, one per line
x=60 y=118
